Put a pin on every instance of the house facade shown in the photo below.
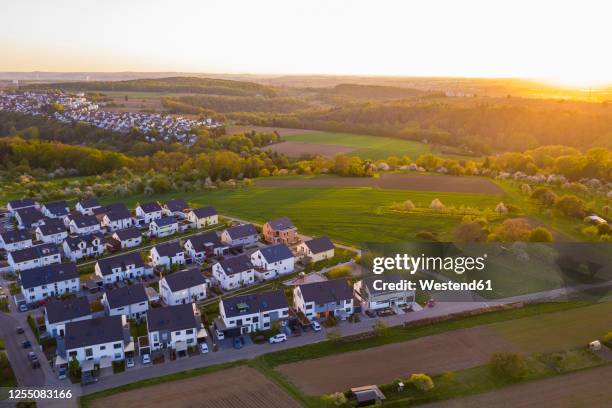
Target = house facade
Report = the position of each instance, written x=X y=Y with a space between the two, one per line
x=147 y=212
x=280 y=231
x=167 y=254
x=131 y=301
x=234 y=272
x=163 y=227
x=60 y=312
x=53 y=231
x=49 y=281
x=128 y=238
x=34 y=257
x=272 y=261
x=57 y=209
x=203 y=216
x=316 y=249
x=84 y=224
x=176 y=207
x=201 y=246
x=95 y=339
x=240 y=235
x=373 y=295
x=116 y=217
x=253 y=312
x=15 y=205
x=84 y=246
x=14 y=240
x=121 y=267
x=323 y=299
x=183 y=287
x=29 y=218
x=87 y=206
x=173 y=327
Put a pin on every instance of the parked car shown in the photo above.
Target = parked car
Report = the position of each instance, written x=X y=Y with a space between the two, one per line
x=278 y=338
x=203 y=348
x=219 y=334
x=146 y=359
x=35 y=364
x=61 y=374
x=23 y=307
x=370 y=313
x=315 y=325
x=26 y=344
x=88 y=378
x=238 y=342
x=19 y=330
x=129 y=362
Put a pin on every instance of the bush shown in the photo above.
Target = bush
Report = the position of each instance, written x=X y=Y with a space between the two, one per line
x=422 y=382
x=571 y=205
x=540 y=234
x=426 y=235
x=607 y=339
x=337 y=399
x=509 y=366
x=339 y=272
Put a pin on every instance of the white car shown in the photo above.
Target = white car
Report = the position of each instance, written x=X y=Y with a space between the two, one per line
x=203 y=348
x=278 y=338
x=315 y=326
x=146 y=359
x=219 y=334
x=129 y=362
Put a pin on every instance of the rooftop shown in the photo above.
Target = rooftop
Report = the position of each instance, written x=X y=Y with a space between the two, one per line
x=126 y=295
x=64 y=310
x=276 y=252
x=330 y=291
x=171 y=318
x=280 y=224
x=241 y=231
x=100 y=330
x=185 y=279
x=45 y=275
x=236 y=264
x=254 y=303
x=318 y=245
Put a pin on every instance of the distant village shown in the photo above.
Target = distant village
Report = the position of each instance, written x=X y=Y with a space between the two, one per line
x=74 y=108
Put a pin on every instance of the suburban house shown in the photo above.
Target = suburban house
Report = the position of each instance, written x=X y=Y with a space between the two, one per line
x=48 y=281
x=272 y=261
x=316 y=249
x=163 y=227
x=87 y=206
x=131 y=301
x=116 y=216
x=84 y=224
x=29 y=218
x=173 y=327
x=371 y=295
x=33 y=257
x=57 y=209
x=121 y=267
x=52 y=231
x=183 y=287
x=59 y=312
x=253 y=312
x=167 y=254
x=201 y=246
x=96 y=340
x=203 y=216
x=16 y=205
x=323 y=299
x=128 y=238
x=234 y=272
x=240 y=235
x=280 y=231
x=14 y=240
x=147 y=212
x=177 y=207
x=84 y=246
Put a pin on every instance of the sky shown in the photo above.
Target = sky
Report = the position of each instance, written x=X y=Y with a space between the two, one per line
x=568 y=42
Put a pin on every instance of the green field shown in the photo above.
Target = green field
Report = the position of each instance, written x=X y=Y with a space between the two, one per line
x=368 y=147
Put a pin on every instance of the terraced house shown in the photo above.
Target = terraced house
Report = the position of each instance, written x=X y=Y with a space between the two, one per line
x=101 y=340
x=48 y=281
x=29 y=218
x=121 y=267
x=60 y=312
x=33 y=257
x=372 y=295
x=324 y=299
x=127 y=238
x=234 y=272
x=88 y=206
x=84 y=246
x=253 y=312
x=147 y=212
x=52 y=231
x=16 y=205
x=131 y=301
x=174 y=327
x=168 y=254
x=84 y=224
x=163 y=227
x=116 y=216
x=57 y=209
x=183 y=287
x=14 y=240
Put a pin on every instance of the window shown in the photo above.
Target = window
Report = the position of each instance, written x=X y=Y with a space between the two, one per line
x=190 y=331
x=189 y=341
x=117 y=356
x=309 y=306
x=178 y=333
x=88 y=352
x=102 y=348
x=117 y=345
x=255 y=319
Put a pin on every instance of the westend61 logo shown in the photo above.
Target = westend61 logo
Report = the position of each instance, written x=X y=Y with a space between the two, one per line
x=412 y=264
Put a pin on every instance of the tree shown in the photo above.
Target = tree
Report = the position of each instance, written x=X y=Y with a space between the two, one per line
x=545 y=196
x=337 y=399
x=508 y=366
x=540 y=234
x=571 y=205
x=470 y=231
x=380 y=328
x=436 y=204
x=422 y=382
x=74 y=368
x=515 y=229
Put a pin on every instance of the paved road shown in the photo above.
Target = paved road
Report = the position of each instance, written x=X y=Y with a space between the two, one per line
x=18 y=357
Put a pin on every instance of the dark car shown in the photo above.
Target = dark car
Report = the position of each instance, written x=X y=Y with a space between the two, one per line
x=26 y=344
x=19 y=330
x=238 y=342
x=35 y=364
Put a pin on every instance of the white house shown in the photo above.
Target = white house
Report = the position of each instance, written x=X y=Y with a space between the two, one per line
x=33 y=257
x=14 y=240
x=15 y=205
x=201 y=246
x=131 y=301
x=102 y=338
x=84 y=246
x=167 y=254
x=316 y=249
x=128 y=238
x=373 y=295
x=121 y=267
x=253 y=312
x=177 y=208
x=234 y=272
x=116 y=217
x=48 y=281
x=87 y=206
x=84 y=224
x=163 y=227
x=324 y=299
x=147 y=212
x=57 y=209
x=173 y=327
x=183 y=287
x=240 y=235
x=52 y=231
x=272 y=261
x=29 y=218
x=203 y=216
x=59 y=312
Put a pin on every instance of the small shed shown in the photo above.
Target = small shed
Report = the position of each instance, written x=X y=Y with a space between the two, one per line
x=368 y=395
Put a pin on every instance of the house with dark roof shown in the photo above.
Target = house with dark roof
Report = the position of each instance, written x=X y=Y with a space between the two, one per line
x=201 y=246
x=87 y=206
x=272 y=261
x=167 y=254
x=130 y=300
x=127 y=238
x=121 y=267
x=280 y=231
x=176 y=207
x=163 y=227
x=234 y=272
x=322 y=299
x=33 y=257
x=116 y=216
x=373 y=292
x=29 y=218
x=240 y=235
x=48 y=281
x=59 y=312
x=15 y=239
x=57 y=209
x=15 y=205
x=84 y=246
x=183 y=287
x=174 y=327
x=147 y=212
x=252 y=312
x=203 y=216
x=82 y=224
x=52 y=231
x=316 y=249
x=99 y=340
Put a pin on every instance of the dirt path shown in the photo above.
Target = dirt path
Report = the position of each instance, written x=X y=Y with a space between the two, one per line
x=233 y=388
x=589 y=388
